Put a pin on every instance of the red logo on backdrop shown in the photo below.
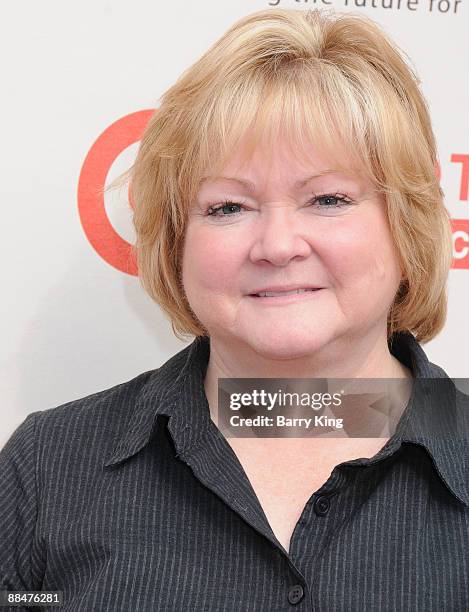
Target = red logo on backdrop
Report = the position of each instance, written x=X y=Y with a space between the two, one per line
x=461 y=226
x=102 y=236
x=462 y=159
x=460 y=243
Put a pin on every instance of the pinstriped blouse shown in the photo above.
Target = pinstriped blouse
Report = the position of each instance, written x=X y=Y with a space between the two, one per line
x=132 y=500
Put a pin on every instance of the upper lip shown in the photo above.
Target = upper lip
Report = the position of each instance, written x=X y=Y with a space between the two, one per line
x=284 y=288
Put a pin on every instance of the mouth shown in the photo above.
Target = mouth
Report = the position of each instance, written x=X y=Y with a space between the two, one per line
x=281 y=293
x=285 y=296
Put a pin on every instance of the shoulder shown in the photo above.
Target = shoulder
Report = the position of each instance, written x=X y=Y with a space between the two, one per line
x=78 y=427
x=111 y=405
x=92 y=423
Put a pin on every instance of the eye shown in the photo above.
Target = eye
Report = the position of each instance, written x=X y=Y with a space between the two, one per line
x=329 y=200
x=226 y=209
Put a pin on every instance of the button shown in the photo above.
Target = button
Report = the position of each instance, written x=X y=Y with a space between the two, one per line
x=322 y=505
x=296 y=594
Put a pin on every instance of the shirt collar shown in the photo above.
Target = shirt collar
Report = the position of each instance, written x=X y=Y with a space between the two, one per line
x=176 y=390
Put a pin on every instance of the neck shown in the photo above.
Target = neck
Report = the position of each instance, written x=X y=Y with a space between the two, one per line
x=365 y=358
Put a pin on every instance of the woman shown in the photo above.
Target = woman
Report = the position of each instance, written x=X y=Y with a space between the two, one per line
x=296 y=155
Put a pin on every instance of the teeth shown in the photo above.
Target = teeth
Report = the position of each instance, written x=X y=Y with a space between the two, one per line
x=279 y=293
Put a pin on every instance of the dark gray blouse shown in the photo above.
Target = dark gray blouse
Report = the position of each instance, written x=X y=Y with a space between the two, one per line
x=132 y=500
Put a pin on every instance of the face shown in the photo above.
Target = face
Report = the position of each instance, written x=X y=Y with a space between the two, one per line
x=274 y=231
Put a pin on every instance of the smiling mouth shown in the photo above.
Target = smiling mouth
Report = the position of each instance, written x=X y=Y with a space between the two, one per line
x=279 y=294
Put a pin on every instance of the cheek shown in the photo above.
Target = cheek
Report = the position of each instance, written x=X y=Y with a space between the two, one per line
x=209 y=261
x=363 y=254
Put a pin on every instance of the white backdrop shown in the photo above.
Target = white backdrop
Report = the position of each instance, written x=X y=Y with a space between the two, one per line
x=77 y=80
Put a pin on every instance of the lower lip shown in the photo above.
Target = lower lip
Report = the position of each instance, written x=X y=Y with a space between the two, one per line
x=286 y=299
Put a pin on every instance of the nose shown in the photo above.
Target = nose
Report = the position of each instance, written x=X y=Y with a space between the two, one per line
x=279 y=237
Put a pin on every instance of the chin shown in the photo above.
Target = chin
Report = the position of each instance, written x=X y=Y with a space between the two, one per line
x=285 y=344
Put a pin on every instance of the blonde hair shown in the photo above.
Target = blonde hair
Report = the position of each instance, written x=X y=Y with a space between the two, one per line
x=322 y=77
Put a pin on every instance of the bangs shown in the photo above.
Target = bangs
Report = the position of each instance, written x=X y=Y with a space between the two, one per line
x=306 y=107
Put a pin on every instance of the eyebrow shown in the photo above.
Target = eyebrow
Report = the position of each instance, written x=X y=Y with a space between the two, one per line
x=251 y=186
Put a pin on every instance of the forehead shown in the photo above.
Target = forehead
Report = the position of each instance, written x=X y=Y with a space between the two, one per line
x=295 y=163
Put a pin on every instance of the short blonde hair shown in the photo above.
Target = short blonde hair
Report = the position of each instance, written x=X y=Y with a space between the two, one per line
x=322 y=77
